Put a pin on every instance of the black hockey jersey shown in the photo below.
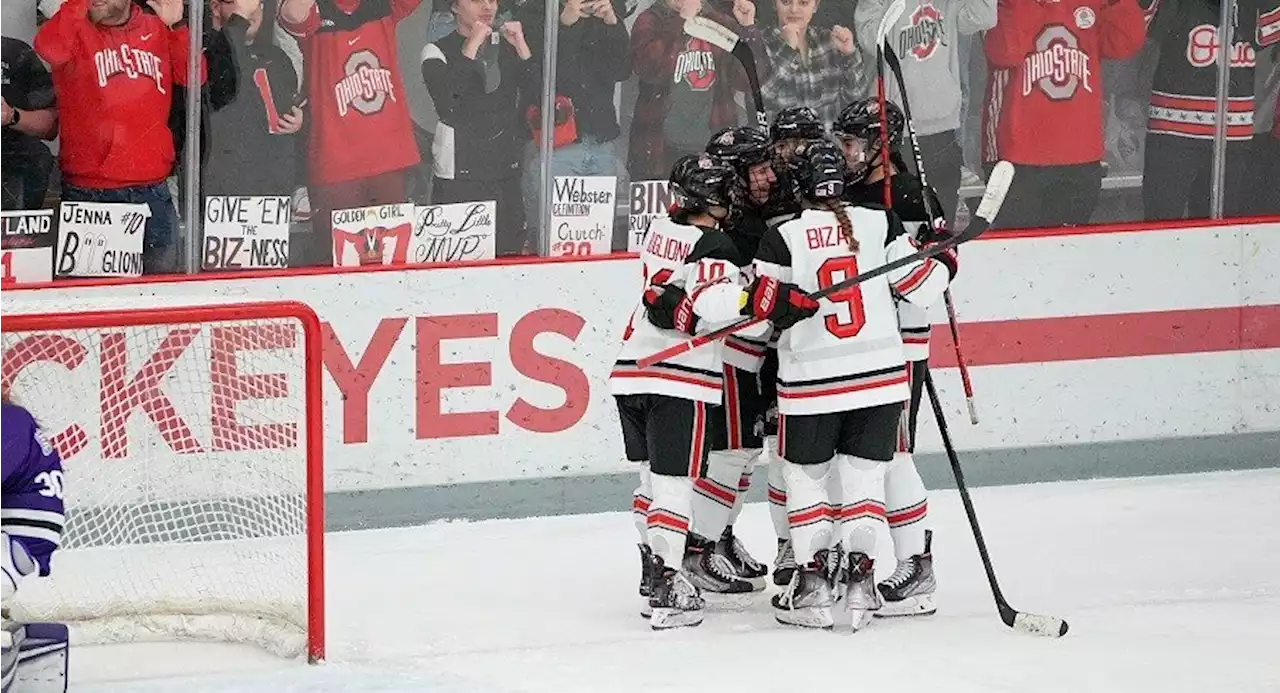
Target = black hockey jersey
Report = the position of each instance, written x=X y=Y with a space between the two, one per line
x=1184 y=93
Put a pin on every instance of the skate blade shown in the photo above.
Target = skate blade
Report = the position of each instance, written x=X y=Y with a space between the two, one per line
x=757 y=583
x=859 y=619
x=728 y=601
x=918 y=605
x=806 y=617
x=646 y=611
x=666 y=619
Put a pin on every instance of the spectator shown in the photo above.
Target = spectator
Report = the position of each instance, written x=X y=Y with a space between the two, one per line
x=926 y=40
x=360 y=136
x=479 y=77
x=1044 y=102
x=685 y=84
x=1265 y=195
x=28 y=115
x=114 y=67
x=1178 y=160
x=593 y=54
x=252 y=91
x=807 y=66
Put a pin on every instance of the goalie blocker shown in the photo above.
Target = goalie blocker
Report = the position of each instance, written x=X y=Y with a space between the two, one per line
x=34 y=658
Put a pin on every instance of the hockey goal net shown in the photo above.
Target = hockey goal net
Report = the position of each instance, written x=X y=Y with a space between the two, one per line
x=191 y=441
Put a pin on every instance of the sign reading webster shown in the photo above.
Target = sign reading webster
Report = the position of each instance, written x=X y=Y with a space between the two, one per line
x=582 y=215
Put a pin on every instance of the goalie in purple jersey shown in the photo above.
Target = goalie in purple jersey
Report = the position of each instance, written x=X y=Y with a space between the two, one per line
x=31 y=519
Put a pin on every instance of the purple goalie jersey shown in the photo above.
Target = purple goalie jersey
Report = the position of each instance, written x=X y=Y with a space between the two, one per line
x=31 y=506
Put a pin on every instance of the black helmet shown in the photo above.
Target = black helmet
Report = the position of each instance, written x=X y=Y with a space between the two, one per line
x=700 y=181
x=797 y=123
x=862 y=119
x=742 y=147
x=818 y=169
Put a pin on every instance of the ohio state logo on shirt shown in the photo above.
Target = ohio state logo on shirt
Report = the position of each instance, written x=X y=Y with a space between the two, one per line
x=366 y=87
x=1058 y=67
x=926 y=32
x=696 y=65
x=1202 y=49
x=130 y=62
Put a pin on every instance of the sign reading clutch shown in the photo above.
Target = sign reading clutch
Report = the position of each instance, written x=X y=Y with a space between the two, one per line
x=582 y=215
x=101 y=239
x=243 y=232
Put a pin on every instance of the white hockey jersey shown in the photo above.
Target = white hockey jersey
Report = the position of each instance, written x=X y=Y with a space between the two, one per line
x=703 y=263
x=848 y=356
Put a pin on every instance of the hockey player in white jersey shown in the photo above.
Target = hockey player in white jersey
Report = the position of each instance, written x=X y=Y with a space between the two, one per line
x=692 y=280
x=34 y=658
x=842 y=380
x=909 y=591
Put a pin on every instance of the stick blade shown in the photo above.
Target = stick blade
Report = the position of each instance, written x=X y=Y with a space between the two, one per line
x=891 y=15
x=1043 y=626
x=712 y=32
x=997 y=188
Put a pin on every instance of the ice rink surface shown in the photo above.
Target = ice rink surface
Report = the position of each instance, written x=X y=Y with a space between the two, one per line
x=1170 y=584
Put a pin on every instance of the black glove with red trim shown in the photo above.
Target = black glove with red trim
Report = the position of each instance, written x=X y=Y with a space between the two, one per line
x=669 y=307
x=782 y=304
x=949 y=259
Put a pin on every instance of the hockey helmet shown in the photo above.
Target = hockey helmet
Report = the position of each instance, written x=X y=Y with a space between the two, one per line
x=818 y=169
x=796 y=123
x=700 y=182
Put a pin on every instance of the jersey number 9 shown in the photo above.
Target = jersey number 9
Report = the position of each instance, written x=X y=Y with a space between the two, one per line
x=851 y=297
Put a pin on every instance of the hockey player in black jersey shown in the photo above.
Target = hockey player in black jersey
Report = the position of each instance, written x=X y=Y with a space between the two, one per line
x=669 y=411
x=909 y=591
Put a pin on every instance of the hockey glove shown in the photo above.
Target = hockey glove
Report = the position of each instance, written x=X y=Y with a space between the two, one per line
x=782 y=304
x=950 y=260
x=669 y=307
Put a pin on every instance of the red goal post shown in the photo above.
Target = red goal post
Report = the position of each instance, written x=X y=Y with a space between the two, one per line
x=194 y=478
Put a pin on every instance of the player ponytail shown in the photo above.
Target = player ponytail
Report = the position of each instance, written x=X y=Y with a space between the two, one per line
x=839 y=209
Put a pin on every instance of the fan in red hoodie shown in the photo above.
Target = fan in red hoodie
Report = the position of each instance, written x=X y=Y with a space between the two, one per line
x=361 y=136
x=114 y=66
x=1043 y=110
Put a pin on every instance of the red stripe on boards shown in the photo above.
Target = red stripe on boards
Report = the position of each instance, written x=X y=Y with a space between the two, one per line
x=1117 y=335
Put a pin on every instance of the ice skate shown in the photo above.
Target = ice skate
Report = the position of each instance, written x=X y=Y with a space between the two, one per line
x=909 y=591
x=784 y=564
x=860 y=599
x=646 y=554
x=744 y=564
x=807 y=599
x=675 y=601
x=714 y=576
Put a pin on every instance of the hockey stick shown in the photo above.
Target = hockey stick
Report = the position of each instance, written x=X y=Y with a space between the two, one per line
x=896 y=66
x=723 y=38
x=1034 y=624
x=997 y=187
x=891 y=15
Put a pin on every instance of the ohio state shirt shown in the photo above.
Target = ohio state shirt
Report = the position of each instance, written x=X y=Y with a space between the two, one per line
x=1044 y=87
x=360 y=124
x=1184 y=94
x=114 y=86
x=31 y=504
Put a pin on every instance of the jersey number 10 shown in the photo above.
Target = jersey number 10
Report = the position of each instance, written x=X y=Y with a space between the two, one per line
x=851 y=297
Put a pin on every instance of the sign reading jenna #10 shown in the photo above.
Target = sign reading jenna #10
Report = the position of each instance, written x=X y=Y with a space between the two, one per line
x=582 y=215
x=101 y=239
x=649 y=199
x=26 y=247
x=242 y=232
x=378 y=235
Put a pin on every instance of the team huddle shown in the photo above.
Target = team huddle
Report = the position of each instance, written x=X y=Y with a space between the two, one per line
x=759 y=222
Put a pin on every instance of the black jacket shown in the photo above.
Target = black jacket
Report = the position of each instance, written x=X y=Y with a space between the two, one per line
x=245 y=158
x=480 y=136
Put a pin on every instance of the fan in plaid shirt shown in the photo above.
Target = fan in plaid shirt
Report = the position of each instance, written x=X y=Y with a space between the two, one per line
x=808 y=66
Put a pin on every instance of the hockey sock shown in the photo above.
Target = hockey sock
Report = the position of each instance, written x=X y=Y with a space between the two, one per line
x=809 y=512
x=777 y=491
x=640 y=503
x=715 y=494
x=744 y=485
x=669 y=517
x=906 y=505
x=862 y=484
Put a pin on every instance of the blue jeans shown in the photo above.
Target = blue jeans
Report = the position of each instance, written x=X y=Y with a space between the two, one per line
x=586 y=157
x=159 y=249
